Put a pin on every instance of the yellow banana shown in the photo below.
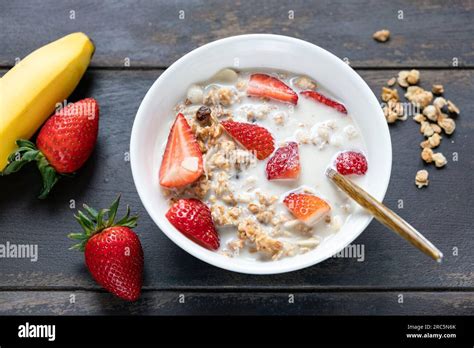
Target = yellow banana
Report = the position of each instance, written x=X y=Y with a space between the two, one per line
x=30 y=91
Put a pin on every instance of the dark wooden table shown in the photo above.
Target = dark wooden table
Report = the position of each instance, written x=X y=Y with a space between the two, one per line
x=394 y=278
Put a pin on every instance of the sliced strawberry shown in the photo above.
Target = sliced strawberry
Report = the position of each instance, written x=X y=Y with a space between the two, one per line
x=254 y=138
x=193 y=219
x=261 y=85
x=285 y=163
x=351 y=162
x=182 y=160
x=307 y=207
x=325 y=100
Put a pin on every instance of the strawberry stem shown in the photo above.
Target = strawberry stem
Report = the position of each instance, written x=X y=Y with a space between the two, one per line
x=93 y=222
x=26 y=153
x=48 y=173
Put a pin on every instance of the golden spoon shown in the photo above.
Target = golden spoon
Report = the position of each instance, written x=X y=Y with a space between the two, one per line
x=384 y=214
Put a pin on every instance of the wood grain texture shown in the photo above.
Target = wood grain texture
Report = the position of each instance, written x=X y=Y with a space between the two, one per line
x=241 y=303
x=151 y=33
x=440 y=211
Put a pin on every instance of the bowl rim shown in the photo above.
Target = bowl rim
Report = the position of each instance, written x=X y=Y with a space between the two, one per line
x=204 y=254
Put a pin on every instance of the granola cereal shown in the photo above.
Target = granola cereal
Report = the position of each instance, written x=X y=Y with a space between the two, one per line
x=419 y=118
x=402 y=78
x=437 y=89
x=439 y=159
x=427 y=155
x=447 y=124
x=246 y=205
x=413 y=77
x=421 y=178
x=432 y=142
x=249 y=230
x=453 y=108
x=439 y=103
x=426 y=129
x=381 y=35
x=419 y=96
x=431 y=113
x=389 y=94
x=432 y=117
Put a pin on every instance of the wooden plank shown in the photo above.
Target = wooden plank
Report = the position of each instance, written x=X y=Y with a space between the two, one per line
x=151 y=33
x=241 y=303
x=440 y=211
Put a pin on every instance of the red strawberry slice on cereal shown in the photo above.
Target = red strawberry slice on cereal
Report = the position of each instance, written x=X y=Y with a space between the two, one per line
x=325 y=100
x=182 y=161
x=252 y=137
x=266 y=86
x=285 y=163
x=351 y=162
x=307 y=207
x=193 y=219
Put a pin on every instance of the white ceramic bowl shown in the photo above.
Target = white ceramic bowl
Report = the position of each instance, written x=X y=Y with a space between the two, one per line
x=155 y=115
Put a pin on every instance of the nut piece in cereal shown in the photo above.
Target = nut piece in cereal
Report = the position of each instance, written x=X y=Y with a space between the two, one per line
x=226 y=76
x=195 y=94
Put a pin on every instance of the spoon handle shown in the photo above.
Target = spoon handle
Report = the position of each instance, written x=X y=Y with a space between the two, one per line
x=385 y=215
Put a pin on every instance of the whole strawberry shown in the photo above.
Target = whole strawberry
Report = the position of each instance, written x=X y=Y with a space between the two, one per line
x=113 y=252
x=63 y=145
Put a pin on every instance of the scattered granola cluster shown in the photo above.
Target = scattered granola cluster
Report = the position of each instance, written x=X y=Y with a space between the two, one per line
x=421 y=178
x=432 y=113
x=381 y=35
